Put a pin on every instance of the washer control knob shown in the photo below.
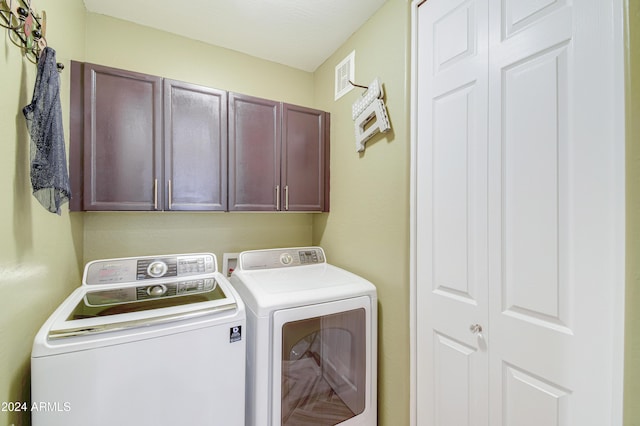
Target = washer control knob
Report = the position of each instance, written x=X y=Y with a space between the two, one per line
x=157 y=268
x=156 y=290
x=285 y=258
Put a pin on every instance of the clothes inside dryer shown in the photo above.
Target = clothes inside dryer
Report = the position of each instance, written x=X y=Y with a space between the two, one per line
x=323 y=363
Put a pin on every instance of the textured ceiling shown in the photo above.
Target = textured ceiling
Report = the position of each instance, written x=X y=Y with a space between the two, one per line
x=298 y=33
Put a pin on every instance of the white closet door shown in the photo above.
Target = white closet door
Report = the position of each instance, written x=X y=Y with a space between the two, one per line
x=519 y=204
x=452 y=219
x=553 y=206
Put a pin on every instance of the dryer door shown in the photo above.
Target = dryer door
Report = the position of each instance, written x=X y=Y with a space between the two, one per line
x=322 y=362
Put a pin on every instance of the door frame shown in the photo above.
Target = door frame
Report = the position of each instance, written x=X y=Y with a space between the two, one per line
x=620 y=37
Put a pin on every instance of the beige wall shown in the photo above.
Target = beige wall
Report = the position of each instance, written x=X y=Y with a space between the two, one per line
x=40 y=252
x=120 y=44
x=109 y=235
x=632 y=333
x=367 y=230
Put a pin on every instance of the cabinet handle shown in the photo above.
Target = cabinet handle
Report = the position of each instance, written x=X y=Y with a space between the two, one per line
x=170 y=195
x=286 y=197
x=277 y=197
x=155 y=194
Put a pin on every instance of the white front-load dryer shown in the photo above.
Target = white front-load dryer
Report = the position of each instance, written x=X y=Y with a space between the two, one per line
x=311 y=339
x=147 y=341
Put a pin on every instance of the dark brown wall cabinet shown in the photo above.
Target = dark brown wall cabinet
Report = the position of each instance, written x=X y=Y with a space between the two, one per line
x=141 y=142
x=278 y=156
x=122 y=161
x=195 y=147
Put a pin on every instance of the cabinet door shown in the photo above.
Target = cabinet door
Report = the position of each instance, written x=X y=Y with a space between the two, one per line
x=122 y=143
x=303 y=158
x=195 y=132
x=254 y=153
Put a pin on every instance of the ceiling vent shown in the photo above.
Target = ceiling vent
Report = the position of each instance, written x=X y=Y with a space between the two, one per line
x=345 y=71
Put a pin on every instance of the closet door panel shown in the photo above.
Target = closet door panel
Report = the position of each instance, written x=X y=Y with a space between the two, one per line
x=529 y=91
x=530 y=401
x=531 y=295
x=452 y=164
x=550 y=213
x=452 y=210
x=455 y=368
x=535 y=187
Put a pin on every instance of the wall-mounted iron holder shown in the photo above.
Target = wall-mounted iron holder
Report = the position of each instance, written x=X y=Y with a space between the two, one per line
x=26 y=29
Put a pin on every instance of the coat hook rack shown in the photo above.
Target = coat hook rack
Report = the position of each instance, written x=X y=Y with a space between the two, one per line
x=25 y=27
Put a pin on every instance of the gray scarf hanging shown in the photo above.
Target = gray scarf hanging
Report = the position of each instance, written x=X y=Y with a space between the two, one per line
x=49 y=177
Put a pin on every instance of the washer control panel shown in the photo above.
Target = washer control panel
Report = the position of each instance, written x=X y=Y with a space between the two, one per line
x=132 y=269
x=280 y=258
x=156 y=268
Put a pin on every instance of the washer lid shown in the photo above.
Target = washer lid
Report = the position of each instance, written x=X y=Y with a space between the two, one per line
x=110 y=308
x=122 y=300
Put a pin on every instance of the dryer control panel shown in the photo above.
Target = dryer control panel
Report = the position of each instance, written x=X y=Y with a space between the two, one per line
x=280 y=258
x=132 y=269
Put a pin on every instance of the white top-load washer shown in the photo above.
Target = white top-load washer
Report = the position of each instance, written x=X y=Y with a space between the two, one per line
x=311 y=339
x=154 y=340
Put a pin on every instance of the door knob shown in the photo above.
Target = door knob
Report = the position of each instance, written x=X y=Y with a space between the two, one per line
x=475 y=328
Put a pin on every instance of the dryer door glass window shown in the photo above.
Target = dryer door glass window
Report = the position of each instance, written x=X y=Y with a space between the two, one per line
x=324 y=369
